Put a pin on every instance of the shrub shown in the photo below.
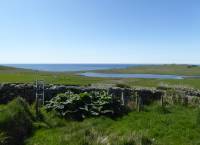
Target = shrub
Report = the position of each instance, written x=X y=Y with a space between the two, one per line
x=192 y=66
x=195 y=101
x=79 y=106
x=16 y=121
x=3 y=138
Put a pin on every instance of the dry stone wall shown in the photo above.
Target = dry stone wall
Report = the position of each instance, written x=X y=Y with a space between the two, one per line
x=27 y=91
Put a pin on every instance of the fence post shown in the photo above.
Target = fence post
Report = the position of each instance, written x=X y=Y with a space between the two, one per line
x=39 y=100
x=138 y=102
x=122 y=98
x=162 y=99
x=37 y=106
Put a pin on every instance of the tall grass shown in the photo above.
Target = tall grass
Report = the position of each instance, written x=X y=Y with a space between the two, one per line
x=176 y=125
x=3 y=138
x=15 y=121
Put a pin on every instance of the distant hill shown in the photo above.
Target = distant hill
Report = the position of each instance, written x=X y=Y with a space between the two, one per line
x=167 y=69
x=10 y=69
x=7 y=68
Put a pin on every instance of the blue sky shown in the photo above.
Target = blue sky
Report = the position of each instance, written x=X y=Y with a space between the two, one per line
x=100 y=31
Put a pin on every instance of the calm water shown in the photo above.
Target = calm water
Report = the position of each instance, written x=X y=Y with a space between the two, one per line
x=70 y=67
x=146 y=76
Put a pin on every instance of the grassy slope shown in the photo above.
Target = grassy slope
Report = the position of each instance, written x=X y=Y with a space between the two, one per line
x=6 y=68
x=158 y=69
x=13 y=75
x=176 y=128
x=8 y=74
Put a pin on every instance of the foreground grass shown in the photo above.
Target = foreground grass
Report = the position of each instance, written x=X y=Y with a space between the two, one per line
x=178 y=127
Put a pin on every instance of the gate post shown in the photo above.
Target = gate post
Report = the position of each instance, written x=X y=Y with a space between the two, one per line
x=39 y=86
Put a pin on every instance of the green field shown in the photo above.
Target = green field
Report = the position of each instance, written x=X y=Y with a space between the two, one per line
x=187 y=70
x=8 y=74
x=15 y=75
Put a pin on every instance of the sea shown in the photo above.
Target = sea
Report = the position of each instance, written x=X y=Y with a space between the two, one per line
x=71 y=67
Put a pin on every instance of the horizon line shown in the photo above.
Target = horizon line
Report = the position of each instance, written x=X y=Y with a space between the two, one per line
x=102 y=63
